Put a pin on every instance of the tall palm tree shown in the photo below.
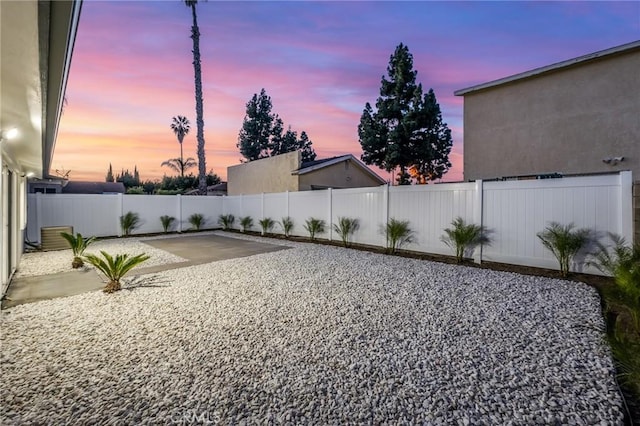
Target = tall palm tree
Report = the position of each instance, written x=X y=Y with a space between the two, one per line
x=195 y=36
x=178 y=165
x=180 y=126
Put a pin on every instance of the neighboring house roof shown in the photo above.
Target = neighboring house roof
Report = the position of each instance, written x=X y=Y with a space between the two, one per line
x=75 y=187
x=220 y=187
x=553 y=67
x=311 y=166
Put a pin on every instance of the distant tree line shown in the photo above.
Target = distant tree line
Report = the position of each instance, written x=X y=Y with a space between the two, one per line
x=167 y=185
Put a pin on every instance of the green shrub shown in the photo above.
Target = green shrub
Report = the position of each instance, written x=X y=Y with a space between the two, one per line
x=267 y=225
x=129 y=222
x=226 y=221
x=78 y=245
x=314 y=226
x=115 y=268
x=167 y=221
x=246 y=223
x=345 y=227
x=397 y=233
x=564 y=242
x=462 y=237
x=623 y=263
x=287 y=226
x=196 y=220
x=135 y=190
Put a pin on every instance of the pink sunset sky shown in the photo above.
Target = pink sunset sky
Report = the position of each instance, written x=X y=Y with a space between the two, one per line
x=319 y=61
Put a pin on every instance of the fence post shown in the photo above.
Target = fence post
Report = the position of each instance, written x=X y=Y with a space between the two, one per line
x=38 y=215
x=385 y=210
x=287 y=203
x=477 y=217
x=179 y=211
x=330 y=205
x=626 y=206
x=262 y=205
x=120 y=207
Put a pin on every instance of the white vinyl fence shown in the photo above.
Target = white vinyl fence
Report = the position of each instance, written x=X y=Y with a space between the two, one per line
x=513 y=211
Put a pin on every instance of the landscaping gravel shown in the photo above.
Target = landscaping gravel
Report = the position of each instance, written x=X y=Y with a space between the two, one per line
x=313 y=335
x=52 y=262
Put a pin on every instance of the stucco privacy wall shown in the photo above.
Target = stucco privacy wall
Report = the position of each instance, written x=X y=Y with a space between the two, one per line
x=565 y=121
x=271 y=174
x=345 y=174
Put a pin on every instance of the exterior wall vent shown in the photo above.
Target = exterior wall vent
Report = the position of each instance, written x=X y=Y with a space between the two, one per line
x=50 y=238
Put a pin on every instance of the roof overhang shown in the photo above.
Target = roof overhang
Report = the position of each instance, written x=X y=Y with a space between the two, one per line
x=37 y=39
x=625 y=48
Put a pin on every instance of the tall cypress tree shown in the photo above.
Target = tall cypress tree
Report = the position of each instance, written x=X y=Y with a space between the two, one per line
x=262 y=134
x=256 y=131
x=109 y=177
x=406 y=129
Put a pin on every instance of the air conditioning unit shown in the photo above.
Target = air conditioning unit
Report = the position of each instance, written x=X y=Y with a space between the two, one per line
x=50 y=238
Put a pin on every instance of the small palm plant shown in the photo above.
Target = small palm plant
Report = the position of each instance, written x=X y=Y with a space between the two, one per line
x=564 y=242
x=267 y=225
x=115 y=268
x=129 y=222
x=397 y=233
x=196 y=220
x=345 y=227
x=287 y=226
x=462 y=237
x=226 y=220
x=78 y=245
x=167 y=221
x=246 y=223
x=314 y=226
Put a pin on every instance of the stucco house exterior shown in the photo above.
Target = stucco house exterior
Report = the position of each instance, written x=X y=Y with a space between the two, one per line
x=574 y=117
x=37 y=39
x=287 y=172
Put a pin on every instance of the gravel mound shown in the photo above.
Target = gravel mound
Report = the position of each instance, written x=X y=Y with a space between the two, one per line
x=313 y=335
x=52 y=262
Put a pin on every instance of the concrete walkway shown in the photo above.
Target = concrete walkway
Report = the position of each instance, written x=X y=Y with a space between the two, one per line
x=197 y=249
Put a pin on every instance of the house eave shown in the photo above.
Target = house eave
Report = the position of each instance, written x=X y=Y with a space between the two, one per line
x=625 y=48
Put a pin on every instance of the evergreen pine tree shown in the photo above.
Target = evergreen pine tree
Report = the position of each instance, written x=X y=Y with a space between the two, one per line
x=255 y=134
x=109 y=177
x=407 y=130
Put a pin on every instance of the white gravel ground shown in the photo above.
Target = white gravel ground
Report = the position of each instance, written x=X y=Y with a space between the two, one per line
x=52 y=262
x=313 y=335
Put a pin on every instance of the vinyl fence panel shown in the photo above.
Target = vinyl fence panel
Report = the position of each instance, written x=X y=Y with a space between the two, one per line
x=516 y=211
x=306 y=204
x=430 y=209
x=365 y=204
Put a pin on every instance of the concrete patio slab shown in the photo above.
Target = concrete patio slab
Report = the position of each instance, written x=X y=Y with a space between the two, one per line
x=197 y=249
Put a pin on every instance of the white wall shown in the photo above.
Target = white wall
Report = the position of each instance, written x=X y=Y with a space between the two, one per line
x=513 y=211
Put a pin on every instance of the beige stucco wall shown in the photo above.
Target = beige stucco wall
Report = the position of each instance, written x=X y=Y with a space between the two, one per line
x=565 y=121
x=342 y=175
x=271 y=174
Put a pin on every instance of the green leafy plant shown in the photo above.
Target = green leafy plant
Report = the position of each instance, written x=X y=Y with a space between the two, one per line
x=397 y=233
x=267 y=225
x=115 y=268
x=287 y=226
x=78 y=245
x=564 y=242
x=314 y=226
x=246 y=223
x=196 y=220
x=129 y=222
x=345 y=227
x=622 y=262
x=226 y=221
x=167 y=221
x=462 y=237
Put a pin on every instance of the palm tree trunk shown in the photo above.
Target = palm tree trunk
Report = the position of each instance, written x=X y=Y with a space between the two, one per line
x=202 y=167
x=181 y=162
